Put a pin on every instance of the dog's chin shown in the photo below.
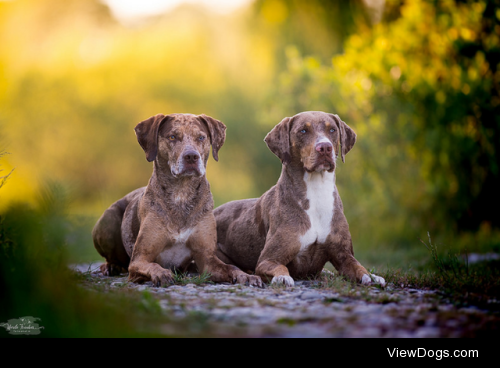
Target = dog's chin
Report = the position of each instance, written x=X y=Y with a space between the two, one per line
x=187 y=172
x=321 y=167
x=191 y=172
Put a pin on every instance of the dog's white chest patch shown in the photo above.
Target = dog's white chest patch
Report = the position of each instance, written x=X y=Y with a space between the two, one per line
x=320 y=189
x=177 y=255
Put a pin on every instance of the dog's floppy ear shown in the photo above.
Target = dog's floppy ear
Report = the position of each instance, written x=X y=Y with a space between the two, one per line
x=347 y=136
x=217 y=131
x=278 y=140
x=147 y=134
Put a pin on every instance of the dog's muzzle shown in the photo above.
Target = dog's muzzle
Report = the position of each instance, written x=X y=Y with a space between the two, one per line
x=324 y=158
x=189 y=164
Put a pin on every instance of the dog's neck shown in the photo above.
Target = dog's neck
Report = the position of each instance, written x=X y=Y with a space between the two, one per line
x=296 y=179
x=181 y=193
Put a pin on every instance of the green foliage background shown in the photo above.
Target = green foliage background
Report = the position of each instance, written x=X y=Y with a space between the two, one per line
x=417 y=80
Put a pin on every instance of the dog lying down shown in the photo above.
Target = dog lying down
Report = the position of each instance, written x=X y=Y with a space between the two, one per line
x=165 y=226
x=297 y=226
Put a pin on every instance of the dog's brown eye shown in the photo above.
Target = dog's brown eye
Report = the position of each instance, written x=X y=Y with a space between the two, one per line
x=172 y=137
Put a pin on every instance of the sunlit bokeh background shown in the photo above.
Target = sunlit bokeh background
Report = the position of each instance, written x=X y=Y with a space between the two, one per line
x=417 y=80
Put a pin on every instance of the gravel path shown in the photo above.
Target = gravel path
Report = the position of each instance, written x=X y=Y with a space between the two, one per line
x=312 y=310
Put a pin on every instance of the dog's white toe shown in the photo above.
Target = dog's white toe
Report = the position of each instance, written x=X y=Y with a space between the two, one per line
x=366 y=280
x=378 y=280
x=369 y=279
x=283 y=280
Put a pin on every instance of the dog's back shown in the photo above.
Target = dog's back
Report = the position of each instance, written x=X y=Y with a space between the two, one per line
x=239 y=222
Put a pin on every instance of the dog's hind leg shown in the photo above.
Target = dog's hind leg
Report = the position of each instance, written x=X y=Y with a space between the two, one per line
x=108 y=240
x=223 y=257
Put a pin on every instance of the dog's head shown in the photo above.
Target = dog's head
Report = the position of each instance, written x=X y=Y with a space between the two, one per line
x=313 y=139
x=182 y=141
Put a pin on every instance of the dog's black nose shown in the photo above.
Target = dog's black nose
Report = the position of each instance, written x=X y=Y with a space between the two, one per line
x=324 y=148
x=191 y=157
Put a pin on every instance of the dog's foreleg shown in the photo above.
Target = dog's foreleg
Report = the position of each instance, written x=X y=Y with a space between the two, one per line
x=203 y=245
x=147 y=271
x=148 y=246
x=221 y=272
x=276 y=273
x=342 y=258
x=279 y=251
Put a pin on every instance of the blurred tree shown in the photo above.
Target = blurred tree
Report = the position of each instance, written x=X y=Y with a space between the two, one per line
x=440 y=59
x=74 y=83
x=423 y=87
x=314 y=27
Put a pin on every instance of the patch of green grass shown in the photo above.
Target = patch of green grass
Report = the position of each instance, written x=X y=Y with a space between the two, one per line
x=451 y=273
x=195 y=279
x=287 y=321
x=385 y=298
x=350 y=290
x=334 y=300
x=150 y=304
x=199 y=321
x=333 y=281
x=409 y=278
x=450 y=268
x=465 y=283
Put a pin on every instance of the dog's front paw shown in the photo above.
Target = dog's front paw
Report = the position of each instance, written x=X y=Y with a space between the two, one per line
x=244 y=279
x=162 y=278
x=255 y=281
x=372 y=279
x=283 y=280
x=109 y=269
